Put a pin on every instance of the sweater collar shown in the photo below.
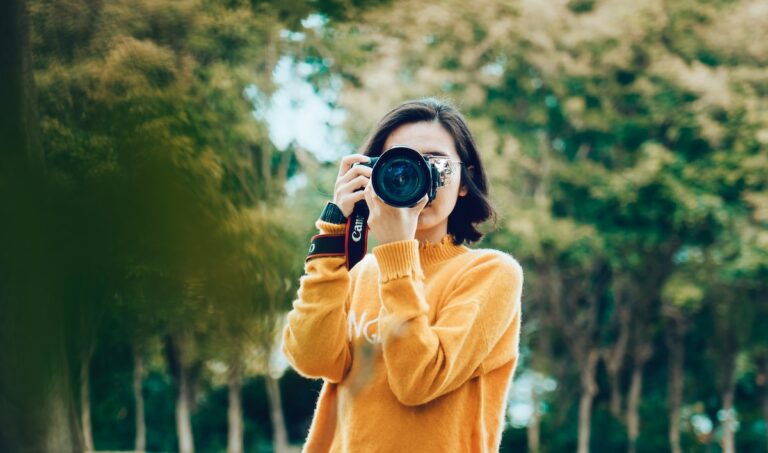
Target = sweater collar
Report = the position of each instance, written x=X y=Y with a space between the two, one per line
x=435 y=252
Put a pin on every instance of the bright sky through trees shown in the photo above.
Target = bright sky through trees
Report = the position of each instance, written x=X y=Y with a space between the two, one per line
x=297 y=113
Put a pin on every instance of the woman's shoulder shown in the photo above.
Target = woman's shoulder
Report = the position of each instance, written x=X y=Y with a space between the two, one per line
x=490 y=274
x=488 y=259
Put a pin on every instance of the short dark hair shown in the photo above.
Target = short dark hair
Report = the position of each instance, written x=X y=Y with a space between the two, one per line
x=475 y=207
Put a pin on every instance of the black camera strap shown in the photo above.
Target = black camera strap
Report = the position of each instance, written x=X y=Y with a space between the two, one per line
x=356 y=235
x=326 y=245
x=353 y=244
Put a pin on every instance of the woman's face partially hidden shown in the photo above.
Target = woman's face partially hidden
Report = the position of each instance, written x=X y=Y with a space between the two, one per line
x=430 y=138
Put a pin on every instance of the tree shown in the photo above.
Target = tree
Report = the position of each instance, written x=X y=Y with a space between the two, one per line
x=37 y=410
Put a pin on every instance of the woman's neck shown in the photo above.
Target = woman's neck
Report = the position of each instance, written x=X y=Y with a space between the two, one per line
x=433 y=234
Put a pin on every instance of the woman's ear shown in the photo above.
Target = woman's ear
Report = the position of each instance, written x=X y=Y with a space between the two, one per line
x=464 y=190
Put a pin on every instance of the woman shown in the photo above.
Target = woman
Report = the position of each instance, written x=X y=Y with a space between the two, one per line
x=418 y=342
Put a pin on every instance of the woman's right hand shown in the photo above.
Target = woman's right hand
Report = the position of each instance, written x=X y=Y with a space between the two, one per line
x=349 y=182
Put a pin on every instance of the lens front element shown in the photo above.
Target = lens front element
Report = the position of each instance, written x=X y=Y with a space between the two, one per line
x=401 y=177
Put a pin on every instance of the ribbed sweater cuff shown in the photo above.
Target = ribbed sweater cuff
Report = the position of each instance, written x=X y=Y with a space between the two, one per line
x=398 y=259
x=330 y=228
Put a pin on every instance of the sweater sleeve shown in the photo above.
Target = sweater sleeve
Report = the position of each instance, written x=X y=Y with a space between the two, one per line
x=314 y=338
x=478 y=324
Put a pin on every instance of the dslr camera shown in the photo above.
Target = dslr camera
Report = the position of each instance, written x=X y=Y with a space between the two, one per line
x=402 y=176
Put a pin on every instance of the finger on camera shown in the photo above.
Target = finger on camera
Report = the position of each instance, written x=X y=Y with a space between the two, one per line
x=357 y=196
x=371 y=195
x=367 y=195
x=374 y=195
x=357 y=183
x=347 y=203
x=347 y=161
x=353 y=172
x=352 y=187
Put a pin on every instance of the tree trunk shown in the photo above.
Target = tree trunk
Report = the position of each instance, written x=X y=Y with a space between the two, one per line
x=184 y=416
x=633 y=403
x=729 y=441
x=279 y=431
x=534 y=425
x=588 y=392
x=85 y=403
x=727 y=389
x=614 y=356
x=178 y=350
x=642 y=354
x=615 y=403
x=676 y=346
x=140 y=443
x=37 y=410
x=19 y=128
x=235 y=410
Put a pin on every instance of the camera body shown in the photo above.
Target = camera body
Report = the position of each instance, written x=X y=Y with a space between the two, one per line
x=402 y=176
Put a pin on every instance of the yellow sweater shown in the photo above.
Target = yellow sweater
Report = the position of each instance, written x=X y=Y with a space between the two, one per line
x=417 y=346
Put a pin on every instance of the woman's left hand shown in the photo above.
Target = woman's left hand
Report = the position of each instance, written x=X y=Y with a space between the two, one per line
x=391 y=224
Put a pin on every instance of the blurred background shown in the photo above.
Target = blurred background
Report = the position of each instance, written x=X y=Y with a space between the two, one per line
x=162 y=164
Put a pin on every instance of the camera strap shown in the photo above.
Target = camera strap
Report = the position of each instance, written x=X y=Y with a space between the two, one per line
x=353 y=244
x=326 y=245
x=356 y=235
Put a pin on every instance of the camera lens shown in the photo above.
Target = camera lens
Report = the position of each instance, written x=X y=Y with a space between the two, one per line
x=401 y=177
